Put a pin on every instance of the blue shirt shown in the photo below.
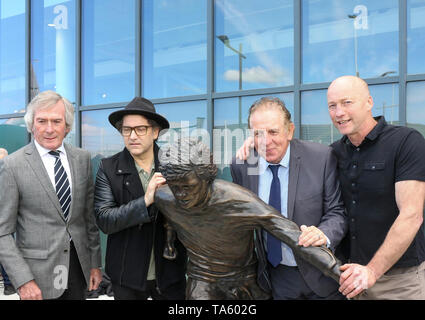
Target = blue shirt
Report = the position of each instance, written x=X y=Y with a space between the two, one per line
x=264 y=183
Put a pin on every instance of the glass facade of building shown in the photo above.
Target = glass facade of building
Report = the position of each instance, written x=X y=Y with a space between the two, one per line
x=204 y=62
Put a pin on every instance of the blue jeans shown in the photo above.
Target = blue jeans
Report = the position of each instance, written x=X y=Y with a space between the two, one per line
x=6 y=280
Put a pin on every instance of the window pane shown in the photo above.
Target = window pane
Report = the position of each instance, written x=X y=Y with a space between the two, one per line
x=415 y=36
x=13 y=134
x=98 y=136
x=102 y=140
x=416 y=106
x=186 y=119
x=194 y=113
x=71 y=138
x=108 y=51
x=53 y=47
x=316 y=124
x=385 y=102
x=12 y=56
x=230 y=127
x=174 y=48
x=226 y=111
x=254 y=44
x=349 y=37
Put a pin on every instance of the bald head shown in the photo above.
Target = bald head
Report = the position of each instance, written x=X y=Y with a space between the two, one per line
x=350 y=107
x=3 y=153
x=350 y=83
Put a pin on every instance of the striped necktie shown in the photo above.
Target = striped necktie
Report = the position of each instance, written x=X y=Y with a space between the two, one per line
x=63 y=189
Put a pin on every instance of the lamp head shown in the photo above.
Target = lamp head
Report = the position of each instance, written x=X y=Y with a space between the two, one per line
x=224 y=39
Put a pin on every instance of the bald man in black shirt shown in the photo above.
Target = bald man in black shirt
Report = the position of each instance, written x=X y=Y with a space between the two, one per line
x=382 y=174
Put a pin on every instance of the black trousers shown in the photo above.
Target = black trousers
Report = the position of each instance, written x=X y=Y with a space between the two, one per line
x=125 y=293
x=76 y=282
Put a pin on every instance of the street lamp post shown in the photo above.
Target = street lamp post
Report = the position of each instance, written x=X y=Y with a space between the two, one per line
x=387 y=73
x=226 y=42
x=354 y=16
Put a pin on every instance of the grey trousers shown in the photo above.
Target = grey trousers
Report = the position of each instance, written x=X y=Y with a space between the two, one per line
x=398 y=284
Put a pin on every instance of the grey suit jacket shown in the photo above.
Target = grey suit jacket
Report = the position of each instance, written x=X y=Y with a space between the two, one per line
x=30 y=208
x=314 y=198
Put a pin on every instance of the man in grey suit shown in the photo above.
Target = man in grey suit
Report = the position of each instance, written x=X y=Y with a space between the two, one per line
x=307 y=185
x=47 y=201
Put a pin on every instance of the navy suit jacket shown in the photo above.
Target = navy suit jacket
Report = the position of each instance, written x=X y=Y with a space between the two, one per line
x=314 y=198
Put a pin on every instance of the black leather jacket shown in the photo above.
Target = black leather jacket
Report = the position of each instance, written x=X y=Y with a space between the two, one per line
x=133 y=230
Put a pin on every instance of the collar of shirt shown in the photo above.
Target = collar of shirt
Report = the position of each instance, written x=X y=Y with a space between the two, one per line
x=376 y=131
x=141 y=170
x=373 y=134
x=49 y=162
x=263 y=164
x=265 y=180
x=144 y=176
x=43 y=151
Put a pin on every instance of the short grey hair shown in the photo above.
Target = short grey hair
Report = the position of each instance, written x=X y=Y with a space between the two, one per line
x=264 y=102
x=47 y=99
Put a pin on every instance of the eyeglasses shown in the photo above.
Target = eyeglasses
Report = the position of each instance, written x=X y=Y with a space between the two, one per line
x=140 y=130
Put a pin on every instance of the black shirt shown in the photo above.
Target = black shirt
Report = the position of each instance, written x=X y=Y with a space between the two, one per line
x=368 y=174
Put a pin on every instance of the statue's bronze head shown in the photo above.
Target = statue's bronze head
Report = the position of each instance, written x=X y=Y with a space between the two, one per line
x=189 y=170
x=185 y=156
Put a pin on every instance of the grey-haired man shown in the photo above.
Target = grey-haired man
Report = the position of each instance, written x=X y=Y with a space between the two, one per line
x=47 y=201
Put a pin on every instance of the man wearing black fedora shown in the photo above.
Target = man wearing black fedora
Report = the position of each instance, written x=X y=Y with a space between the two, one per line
x=125 y=210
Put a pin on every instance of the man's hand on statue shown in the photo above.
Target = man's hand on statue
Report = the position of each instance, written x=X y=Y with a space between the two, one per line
x=243 y=152
x=311 y=236
x=355 y=278
x=156 y=181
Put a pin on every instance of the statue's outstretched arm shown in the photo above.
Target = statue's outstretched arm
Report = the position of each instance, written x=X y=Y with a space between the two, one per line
x=288 y=232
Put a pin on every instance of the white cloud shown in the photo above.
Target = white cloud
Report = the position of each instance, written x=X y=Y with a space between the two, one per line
x=257 y=74
x=90 y=130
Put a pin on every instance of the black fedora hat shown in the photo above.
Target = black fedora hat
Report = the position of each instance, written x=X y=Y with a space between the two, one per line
x=142 y=107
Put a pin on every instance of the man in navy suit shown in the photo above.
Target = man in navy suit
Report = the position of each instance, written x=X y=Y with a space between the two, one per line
x=307 y=182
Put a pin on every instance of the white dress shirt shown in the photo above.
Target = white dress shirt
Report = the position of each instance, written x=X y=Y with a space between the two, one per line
x=264 y=185
x=49 y=163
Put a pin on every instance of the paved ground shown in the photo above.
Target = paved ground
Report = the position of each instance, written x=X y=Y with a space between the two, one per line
x=16 y=297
